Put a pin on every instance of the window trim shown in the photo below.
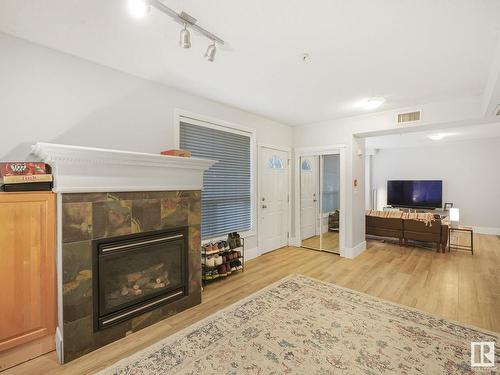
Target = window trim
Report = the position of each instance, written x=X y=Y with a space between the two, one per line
x=181 y=115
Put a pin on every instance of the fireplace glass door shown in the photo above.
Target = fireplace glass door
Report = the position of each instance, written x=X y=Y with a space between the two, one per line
x=138 y=273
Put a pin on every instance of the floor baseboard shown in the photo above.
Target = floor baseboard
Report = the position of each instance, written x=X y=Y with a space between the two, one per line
x=352 y=252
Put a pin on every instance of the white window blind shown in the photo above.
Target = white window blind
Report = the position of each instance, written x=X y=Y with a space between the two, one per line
x=226 y=196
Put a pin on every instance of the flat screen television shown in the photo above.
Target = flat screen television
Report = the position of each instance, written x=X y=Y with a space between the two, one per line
x=415 y=193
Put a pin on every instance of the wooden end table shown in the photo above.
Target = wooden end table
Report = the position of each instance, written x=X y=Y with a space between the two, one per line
x=457 y=246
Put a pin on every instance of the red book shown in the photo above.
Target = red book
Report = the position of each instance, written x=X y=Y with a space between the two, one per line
x=183 y=153
x=22 y=168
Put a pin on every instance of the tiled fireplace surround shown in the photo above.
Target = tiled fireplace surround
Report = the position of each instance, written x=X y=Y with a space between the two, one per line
x=90 y=216
x=105 y=194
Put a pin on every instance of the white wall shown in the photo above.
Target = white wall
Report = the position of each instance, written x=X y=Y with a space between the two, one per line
x=54 y=97
x=469 y=170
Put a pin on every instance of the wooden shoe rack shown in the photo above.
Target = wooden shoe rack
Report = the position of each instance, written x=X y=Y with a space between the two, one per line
x=211 y=272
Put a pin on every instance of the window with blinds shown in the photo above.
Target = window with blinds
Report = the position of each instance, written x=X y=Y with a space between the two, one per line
x=226 y=197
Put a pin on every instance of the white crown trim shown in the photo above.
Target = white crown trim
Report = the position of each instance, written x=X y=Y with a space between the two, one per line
x=79 y=169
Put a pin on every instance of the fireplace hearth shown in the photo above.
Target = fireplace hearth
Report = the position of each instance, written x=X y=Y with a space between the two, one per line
x=138 y=273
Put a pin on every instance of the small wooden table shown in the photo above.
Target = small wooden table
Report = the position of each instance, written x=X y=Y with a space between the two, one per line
x=457 y=246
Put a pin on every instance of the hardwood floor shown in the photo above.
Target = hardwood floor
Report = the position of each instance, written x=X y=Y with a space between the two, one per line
x=454 y=285
x=329 y=242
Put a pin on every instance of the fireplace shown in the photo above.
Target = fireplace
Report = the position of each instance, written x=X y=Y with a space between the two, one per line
x=138 y=273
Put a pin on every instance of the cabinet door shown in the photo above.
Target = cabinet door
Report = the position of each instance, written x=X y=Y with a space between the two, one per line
x=27 y=267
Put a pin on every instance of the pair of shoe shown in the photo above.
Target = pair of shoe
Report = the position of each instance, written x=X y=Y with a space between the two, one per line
x=214 y=247
x=236 y=265
x=210 y=275
x=224 y=270
x=234 y=240
x=208 y=261
x=230 y=256
x=212 y=260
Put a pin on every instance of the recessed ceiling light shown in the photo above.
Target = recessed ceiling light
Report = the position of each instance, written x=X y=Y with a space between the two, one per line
x=439 y=136
x=371 y=103
x=436 y=137
x=139 y=8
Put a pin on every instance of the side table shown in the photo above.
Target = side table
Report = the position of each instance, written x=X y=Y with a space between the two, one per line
x=457 y=246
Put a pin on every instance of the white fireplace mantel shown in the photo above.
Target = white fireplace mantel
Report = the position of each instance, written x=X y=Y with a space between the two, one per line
x=85 y=169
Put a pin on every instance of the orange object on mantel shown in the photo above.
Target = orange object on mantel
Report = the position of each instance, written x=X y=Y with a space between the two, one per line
x=176 y=152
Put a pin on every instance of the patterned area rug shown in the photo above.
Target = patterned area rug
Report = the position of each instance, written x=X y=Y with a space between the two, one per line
x=301 y=325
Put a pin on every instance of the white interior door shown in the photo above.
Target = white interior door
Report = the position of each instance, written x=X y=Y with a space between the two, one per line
x=273 y=199
x=308 y=197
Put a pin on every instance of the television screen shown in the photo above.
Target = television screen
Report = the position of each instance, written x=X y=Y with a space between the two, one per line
x=415 y=193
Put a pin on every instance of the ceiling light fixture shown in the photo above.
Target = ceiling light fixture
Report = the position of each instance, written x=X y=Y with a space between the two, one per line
x=439 y=136
x=139 y=8
x=185 y=38
x=372 y=103
x=436 y=137
x=211 y=50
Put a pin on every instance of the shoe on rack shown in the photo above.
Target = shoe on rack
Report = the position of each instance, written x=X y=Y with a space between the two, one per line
x=217 y=260
x=232 y=239
x=222 y=270
x=238 y=240
x=210 y=261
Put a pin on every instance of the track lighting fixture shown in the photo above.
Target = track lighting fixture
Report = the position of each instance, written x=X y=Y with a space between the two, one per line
x=185 y=39
x=140 y=8
x=211 y=50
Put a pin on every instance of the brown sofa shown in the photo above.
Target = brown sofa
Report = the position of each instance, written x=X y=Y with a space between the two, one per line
x=406 y=230
x=418 y=231
x=385 y=227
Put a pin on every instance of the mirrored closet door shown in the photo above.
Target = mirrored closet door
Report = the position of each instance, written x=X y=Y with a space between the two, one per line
x=320 y=202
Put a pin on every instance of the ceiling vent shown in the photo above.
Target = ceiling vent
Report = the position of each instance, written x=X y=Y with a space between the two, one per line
x=409 y=117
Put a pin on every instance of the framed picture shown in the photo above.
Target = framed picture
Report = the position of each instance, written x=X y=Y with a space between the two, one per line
x=447 y=206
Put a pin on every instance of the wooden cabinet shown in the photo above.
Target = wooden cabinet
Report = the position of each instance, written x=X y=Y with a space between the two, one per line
x=27 y=276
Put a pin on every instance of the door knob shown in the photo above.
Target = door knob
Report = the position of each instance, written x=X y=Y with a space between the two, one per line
x=264 y=206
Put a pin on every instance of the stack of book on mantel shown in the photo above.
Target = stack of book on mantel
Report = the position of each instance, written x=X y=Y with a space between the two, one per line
x=25 y=176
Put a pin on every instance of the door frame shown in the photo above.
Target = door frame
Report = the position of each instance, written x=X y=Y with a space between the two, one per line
x=322 y=150
x=288 y=150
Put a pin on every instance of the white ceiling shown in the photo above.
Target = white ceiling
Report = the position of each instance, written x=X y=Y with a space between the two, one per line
x=409 y=52
x=419 y=139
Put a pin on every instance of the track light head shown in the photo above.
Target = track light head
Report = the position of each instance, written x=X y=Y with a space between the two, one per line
x=185 y=38
x=211 y=50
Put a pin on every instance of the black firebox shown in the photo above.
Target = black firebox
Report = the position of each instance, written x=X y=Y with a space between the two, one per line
x=137 y=273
